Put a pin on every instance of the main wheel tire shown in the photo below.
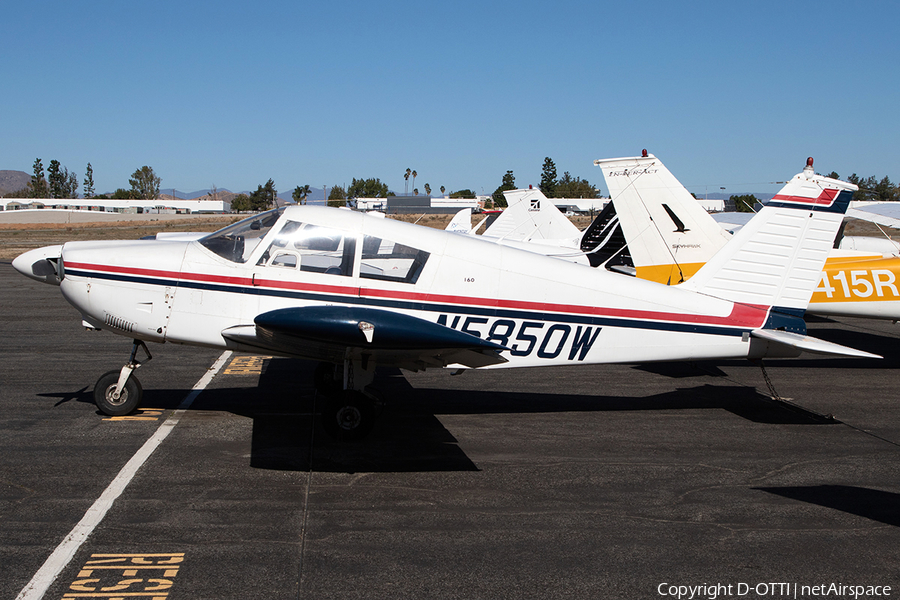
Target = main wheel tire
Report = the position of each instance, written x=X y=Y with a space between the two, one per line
x=348 y=416
x=128 y=400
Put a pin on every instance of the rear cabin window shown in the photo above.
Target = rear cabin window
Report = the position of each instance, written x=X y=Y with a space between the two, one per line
x=390 y=261
x=311 y=248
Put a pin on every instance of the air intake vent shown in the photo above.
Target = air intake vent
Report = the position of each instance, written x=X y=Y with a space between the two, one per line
x=117 y=323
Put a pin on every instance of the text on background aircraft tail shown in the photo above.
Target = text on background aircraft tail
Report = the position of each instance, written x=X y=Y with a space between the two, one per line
x=670 y=235
x=530 y=216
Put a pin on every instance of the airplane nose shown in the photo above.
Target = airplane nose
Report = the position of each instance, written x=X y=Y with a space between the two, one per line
x=41 y=264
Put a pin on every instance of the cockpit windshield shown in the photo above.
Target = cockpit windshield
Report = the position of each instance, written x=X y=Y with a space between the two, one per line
x=237 y=242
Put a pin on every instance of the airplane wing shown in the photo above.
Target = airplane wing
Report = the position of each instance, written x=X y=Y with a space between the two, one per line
x=177 y=236
x=882 y=213
x=387 y=338
x=732 y=221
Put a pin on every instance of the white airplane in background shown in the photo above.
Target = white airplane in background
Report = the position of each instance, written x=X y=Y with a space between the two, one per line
x=669 y=236
x=356 y=292
x=529 y=222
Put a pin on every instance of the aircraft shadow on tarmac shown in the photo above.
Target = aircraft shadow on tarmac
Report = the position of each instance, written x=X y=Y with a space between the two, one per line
x=409 y=437
x=877 y=505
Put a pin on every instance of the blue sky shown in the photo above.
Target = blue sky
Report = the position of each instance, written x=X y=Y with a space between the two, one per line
x=233 y=93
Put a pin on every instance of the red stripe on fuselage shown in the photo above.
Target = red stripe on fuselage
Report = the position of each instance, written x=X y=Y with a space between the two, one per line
x=742 y=315
x=746 y=315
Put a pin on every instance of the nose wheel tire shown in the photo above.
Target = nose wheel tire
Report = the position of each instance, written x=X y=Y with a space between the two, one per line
x=129 y=399
x=348 y=416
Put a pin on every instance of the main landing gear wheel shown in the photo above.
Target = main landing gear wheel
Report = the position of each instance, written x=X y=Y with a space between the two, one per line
x=348 y=415
x=326 y=379
x=128 y=400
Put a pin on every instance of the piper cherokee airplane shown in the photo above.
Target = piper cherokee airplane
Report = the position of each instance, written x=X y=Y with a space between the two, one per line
x=356 y=292
x=668 y=236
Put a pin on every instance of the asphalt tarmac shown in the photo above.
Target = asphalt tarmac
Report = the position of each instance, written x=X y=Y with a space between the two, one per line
x=586 y=482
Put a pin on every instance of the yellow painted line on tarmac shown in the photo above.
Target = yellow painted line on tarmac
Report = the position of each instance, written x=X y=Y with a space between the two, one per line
x=126 y=576
x=246 y=365
x=142 y=414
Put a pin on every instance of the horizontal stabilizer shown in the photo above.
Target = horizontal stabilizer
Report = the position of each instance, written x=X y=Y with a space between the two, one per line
x=809 y=344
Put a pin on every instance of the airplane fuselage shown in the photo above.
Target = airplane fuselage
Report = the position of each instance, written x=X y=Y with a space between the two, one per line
x=542 y=310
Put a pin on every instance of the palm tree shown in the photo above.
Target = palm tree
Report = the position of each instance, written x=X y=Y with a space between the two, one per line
x=443 y=190
x=406 y=177
x=300 y=193
x=427 y=190
x=414 y=178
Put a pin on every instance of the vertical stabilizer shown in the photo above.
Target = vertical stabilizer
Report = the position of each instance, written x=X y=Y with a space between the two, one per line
x=461 y=222
x=777 y=258
x=670 y=235
x=529 y=217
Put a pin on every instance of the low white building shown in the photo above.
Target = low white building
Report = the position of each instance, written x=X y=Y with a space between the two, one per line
x=121 y=206
x=414 y=203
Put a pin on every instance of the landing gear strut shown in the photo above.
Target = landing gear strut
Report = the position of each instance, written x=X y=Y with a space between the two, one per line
x=118 y=393
x=349 y=410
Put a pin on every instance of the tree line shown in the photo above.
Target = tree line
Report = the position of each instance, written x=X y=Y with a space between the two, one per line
x=60 y=184
x=870 y=188
x=551 y=185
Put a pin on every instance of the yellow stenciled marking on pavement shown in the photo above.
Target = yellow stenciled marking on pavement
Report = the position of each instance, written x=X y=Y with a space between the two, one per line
x=123 y=576
x=246 y=365
x=142 y=414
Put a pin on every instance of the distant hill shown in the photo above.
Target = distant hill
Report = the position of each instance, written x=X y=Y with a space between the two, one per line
x=191 y=195
x=13 y=181
x=316 y=196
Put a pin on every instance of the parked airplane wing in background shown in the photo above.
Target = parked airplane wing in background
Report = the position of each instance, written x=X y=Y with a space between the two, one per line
x=883 y=213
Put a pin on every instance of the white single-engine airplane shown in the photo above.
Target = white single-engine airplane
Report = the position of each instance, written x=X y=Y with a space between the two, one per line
x=356 y=292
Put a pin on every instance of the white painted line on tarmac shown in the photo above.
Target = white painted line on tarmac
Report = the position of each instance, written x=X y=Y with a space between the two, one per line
x=64 y=553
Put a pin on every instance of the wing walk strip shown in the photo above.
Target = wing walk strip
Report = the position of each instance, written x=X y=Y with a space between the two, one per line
x=47 y=574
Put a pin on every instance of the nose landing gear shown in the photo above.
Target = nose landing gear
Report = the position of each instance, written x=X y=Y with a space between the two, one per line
x=119 y=393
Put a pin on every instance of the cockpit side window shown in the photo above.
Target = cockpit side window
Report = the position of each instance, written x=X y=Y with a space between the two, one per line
x=237 y=242
x=315 y=248
x=390 y=261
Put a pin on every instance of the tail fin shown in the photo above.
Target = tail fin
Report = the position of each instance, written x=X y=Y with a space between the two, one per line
x=670 y=235
x=776 y=259
x=461 y=222
x=530 y=216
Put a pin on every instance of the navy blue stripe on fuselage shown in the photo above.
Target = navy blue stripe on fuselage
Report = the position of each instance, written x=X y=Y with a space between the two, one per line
x=433 y=307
